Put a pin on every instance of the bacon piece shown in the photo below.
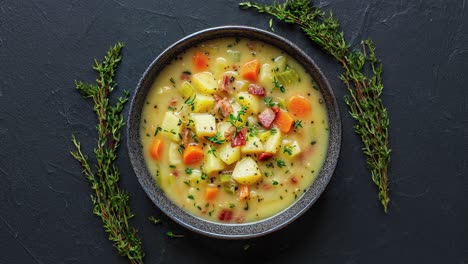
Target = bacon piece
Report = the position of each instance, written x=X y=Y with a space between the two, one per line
x=186 y=136
x=239 y=139
x=173 y=102
x=256 y=89
x=275 y=109
x=266 y=117
x=265 y=156
x=228 y=134
x=185 y=77
x=225 y=215
x=225 y=85
x=224 y=105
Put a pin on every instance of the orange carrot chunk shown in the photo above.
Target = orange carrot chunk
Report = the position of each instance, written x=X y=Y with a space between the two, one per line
x=284 y=121
x=244 y=192
x=192 y=154
x=200 y=61
x=211 y=192
x=156 y=149
x=299 y=106
x=250 y=70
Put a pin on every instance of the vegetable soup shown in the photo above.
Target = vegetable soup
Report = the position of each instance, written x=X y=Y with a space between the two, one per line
x=234 y=130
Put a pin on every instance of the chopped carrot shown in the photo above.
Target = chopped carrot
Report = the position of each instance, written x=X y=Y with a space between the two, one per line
x=192 y=154
x=284 y=121
x=156 y=149
x=200 y=61
x=211 y=192
x=250 y=70
x=244 y=192
x=299 y=106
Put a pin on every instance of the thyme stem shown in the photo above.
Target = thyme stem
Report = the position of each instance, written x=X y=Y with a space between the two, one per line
x=109 y=200
x=364 y=87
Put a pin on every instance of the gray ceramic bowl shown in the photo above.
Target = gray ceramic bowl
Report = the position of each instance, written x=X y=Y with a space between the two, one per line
x=220 y=230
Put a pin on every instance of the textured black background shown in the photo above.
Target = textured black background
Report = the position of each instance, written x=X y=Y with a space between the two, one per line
x=45 y=210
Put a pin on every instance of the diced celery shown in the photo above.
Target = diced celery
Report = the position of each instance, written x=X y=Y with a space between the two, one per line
x=186 y=89
x=234 y=55
x=287 y=77
x=280 y=64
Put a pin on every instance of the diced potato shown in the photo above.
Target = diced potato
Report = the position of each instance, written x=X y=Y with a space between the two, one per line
x=171 y=126
x=272 y=144
x=252 y=102
x=240 y=85
x=252 y=146
x=246 y=171
x=263 y=136
x=220 y=65
x=186 y=89
x=205 y=82
x=203 y=103
x=229 y=154
x=234 y=55
x=265 y=77
x=195 y=178
x=174 y=155
x=294 y=148
x=205 y=124
x=212 y=163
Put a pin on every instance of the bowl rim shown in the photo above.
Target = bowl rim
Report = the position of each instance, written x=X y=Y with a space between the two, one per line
x=222 y=230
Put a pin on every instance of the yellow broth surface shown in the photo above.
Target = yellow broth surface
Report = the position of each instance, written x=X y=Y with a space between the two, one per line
x=208 y=138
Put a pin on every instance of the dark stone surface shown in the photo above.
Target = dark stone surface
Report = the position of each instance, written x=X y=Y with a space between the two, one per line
x=45 y=210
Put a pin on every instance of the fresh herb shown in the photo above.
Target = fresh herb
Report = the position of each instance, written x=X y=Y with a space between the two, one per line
x=204 y=176
x=154 y=220
x=280 y=163
x=212 y=151
x=181 y=149
x=279 y=85
x=172 y=80
x=111 y=203
x=190 y=197
x=275 y=182
x=269 y=101
x=188 y=170
x=217 y=139
x=158 y=129
x=190 y=102
x=273 y=131
x=172 y=166
x=172 y=235
x=232 y=205
x=297 y=124
x=288 y=149
x=187 y=72
x=253 y=131
x=365 y=87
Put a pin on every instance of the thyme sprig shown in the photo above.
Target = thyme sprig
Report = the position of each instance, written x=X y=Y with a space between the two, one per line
x=109 y=200
x=365 y=87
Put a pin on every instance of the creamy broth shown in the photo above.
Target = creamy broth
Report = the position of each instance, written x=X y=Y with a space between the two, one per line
x=215 y=136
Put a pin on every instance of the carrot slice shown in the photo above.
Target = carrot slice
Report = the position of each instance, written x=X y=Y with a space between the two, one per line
x=284 y=121
x=250 y=70
x=299 y=106
x=244 y=192
x=156 y=149
x=211 y=192
x=200 y=61
x=192 y=154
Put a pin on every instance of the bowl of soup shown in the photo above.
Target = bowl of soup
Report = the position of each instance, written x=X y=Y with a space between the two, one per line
x=233 y=132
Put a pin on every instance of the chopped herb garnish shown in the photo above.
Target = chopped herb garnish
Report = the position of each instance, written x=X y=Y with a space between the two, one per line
x=297 y=124
x=212 y=151
x=275 y=182
x=217 y=139
x=232 y=205
x=273 y=131
x=172 y=80
x=172 y=235
x=187 y=73
x=288 y=149
x=279 y=85
x=204 y=176
x=154 y=220
x=269 y=101
x=187 y=183
x=191 y=197
x=280 y=163
x=172 y=166
x=253 y=131
x=157 y=131
x=188 y=170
